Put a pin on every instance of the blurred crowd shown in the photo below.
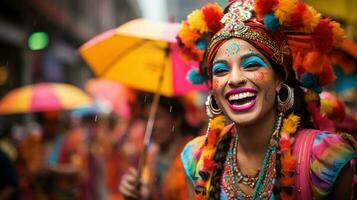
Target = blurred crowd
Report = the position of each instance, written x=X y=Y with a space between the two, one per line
x=83 y=154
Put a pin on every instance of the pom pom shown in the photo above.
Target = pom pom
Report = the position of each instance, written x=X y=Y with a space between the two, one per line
x=326 y=106
x=317 y=89
x=201 y=43
x=187 y=35
x=323 y=36
x=338 y=33
x=197 y=21
x=309 y=80
x=194 y=77
x=212 y=138
x=327 y=75
x=283 y=9
x=271 y=22
x=263 y=7
x=212 y=15
x=217 y=123
x=288 y=162
x=285 y=143
x=290 y=124
x=310 y=19
x=191 y=53
x=332 y=107
x=287 y=181
x=296 y=16
x=322 y=123
x=313 y=62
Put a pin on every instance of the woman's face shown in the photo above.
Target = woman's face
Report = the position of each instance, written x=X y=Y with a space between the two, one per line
x=164 y=125
x=243 y=82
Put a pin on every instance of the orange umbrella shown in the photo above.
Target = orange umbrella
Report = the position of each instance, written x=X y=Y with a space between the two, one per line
x=43 y=97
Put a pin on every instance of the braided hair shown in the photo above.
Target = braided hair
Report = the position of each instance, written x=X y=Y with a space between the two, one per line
x=219 y=158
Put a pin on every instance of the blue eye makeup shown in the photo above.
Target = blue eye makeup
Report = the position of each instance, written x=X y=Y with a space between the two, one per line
x=219 y=67
x=252 y=60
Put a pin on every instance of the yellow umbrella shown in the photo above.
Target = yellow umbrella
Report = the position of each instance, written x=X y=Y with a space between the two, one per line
x=42 y=97
x=137 y=54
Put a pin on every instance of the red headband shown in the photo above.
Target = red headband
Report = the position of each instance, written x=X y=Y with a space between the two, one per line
x=270 y=47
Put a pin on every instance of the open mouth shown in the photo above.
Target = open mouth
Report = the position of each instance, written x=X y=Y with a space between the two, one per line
x=242 y=100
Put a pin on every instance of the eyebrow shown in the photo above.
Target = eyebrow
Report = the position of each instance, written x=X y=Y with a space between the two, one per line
x=219 y=61
x=247 y=55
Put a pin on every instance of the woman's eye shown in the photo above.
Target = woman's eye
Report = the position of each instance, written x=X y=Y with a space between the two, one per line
x=251 y=65
x=252 y=62
x=219 y=68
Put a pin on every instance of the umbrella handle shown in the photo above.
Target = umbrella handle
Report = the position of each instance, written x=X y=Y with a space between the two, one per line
x=150 y=122
x=148 y=133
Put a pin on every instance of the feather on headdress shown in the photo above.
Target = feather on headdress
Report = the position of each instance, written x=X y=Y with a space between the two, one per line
x=307 y=37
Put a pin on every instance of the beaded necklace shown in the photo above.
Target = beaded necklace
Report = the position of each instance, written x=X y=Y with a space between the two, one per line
x=264 y=182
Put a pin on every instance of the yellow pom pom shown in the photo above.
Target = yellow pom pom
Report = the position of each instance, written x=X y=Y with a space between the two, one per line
x=326 y=106
x=217 y=123
x=187 y=35
x=283 y=9
x=290 y=124
x=338 y=33
x=197 y=21
x=310 y=19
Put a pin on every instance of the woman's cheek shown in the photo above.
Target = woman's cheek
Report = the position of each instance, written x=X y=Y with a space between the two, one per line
x=259 y=76
x=215 y=83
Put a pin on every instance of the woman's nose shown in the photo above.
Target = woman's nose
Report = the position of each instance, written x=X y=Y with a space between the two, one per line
x=236 y=78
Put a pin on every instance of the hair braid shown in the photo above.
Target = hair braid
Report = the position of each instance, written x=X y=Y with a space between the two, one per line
x=219 y=158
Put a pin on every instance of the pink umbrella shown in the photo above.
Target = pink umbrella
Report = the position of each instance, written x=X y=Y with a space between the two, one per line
x=112 y=92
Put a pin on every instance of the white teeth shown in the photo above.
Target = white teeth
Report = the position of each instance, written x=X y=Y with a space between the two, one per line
x=240 y=96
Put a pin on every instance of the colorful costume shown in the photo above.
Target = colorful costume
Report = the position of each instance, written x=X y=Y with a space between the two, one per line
x=296 y=40
x=330 y=153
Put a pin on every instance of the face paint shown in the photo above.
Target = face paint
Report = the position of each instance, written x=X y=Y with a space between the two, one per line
x=232 y=49
x=214 y=84
x=219 y=67
x=252 y=60
x=260 y=75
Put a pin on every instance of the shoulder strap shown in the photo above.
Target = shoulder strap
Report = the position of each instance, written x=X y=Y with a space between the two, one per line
x=302 y=151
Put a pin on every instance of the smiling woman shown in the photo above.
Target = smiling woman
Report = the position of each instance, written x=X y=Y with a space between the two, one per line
x=262 y=63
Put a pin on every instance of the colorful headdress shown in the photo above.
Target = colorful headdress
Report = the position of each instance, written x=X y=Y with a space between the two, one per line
x=284 y=30
x=289 y=32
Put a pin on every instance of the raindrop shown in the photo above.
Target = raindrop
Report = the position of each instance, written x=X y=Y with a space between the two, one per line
x=170 y=108
x=95 y=119
x=173 y=128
